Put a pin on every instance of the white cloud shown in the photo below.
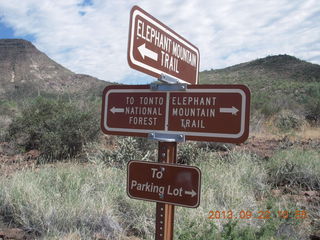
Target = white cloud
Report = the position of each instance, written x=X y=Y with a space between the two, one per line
x=92 y=38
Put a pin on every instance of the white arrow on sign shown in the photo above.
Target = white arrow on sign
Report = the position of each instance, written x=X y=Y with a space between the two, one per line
x=147 y=52
x=192 y=193
x=117 y=110
x=232 y=110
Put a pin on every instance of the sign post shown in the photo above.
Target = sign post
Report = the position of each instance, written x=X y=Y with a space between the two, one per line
x=173 y=112
x=167 y=153
x=166 y=183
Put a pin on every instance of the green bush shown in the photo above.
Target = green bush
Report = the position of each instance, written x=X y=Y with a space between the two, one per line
x=288 y=120
x=270 y=230
x=189 y=153
x=295 y=168
x=209 y=231
x=312 y=103
x=91 y=199
x=125 y=150
x=58 y=129
x=313 y=110
x=69 y=198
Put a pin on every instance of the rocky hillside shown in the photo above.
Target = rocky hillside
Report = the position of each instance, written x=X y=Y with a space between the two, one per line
x=27 y=71
x=277 y=83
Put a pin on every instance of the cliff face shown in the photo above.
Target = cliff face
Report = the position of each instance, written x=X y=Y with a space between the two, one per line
x=22 y=64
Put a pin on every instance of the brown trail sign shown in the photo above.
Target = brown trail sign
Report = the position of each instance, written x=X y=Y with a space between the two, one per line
x=166 y=183
x=201 y=112
x=155 y=49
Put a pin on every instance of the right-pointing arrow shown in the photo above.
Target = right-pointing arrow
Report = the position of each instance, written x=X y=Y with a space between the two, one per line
x=147 y=52
x=192 y=193
x=232 y=110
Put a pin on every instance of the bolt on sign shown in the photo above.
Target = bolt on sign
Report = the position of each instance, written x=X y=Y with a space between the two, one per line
x=155 y=49
x=166 y=183
x=202 y=112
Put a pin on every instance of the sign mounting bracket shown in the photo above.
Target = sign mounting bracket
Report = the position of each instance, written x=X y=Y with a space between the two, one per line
x=168 y=79
x=165 y=137
x=168 y=87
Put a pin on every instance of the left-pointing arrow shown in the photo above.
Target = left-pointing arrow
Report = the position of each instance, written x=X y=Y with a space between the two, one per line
x=117 y=110
x=147 y=52
x=192 y=193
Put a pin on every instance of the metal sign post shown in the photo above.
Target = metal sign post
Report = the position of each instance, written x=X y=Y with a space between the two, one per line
x=167 y=153
x=174 y=111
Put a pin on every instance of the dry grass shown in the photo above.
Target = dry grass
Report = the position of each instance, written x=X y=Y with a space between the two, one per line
x=79 y=201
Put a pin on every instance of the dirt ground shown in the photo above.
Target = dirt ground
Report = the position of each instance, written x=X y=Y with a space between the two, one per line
x=265 y=147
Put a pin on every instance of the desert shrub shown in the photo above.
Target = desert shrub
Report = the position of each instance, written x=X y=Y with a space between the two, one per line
x=189 y=153
x=216 y=146
x=90 y=199
x=269 y=109
x=295 y=168
x=225 y=185
x=209 y=231
x=288 y=120
x=146 y=145
x=64 y=199
x=86 y=200
x=22 y=90
x=266 y=104
x=58 y=129
x=313 y=110
x=312 y=103
x=137 y=217
x=7 y=112
x=125 y=149
x=270 y=230
x=238 y=184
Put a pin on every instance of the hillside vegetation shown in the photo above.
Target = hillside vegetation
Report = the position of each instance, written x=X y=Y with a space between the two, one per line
x=61 y=179
x=277 y=83
x=240 y=196
x=27 y=73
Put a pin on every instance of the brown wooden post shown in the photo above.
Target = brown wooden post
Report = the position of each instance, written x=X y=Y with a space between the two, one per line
x=167 y=153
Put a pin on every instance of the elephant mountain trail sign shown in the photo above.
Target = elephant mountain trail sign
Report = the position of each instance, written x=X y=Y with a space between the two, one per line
x=202 y=113
x=155 y=49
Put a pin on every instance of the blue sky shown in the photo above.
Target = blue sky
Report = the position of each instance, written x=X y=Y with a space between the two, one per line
x=91 y=36
x=8 y=32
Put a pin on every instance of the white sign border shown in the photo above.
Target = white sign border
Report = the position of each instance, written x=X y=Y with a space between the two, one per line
x=136 y=13
x=195 y=134
x=170 y=165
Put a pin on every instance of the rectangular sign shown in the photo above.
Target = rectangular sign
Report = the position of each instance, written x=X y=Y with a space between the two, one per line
x=166 y=183
x=155 y=49
x=217 y=113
